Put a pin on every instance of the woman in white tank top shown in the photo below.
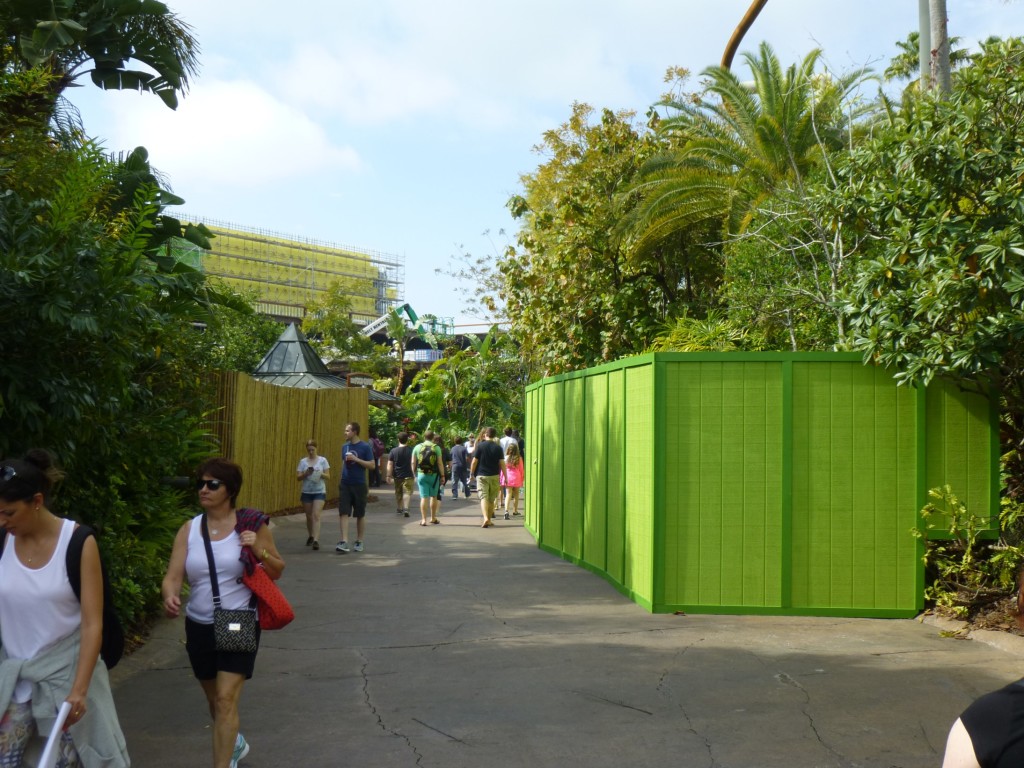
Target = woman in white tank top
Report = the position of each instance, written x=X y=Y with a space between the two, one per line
x=51 y=640
x=234 y=534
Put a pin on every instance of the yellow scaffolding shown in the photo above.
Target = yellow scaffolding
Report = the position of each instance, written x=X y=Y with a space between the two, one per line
x=291 y=272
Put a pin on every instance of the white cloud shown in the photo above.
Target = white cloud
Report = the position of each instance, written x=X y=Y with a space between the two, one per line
x=364 y=83
x=228 y=133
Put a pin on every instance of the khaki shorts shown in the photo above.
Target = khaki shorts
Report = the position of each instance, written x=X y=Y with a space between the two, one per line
x=403 y=491
x=488 y=486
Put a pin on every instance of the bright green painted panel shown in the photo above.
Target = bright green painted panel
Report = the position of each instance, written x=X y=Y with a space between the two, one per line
x=958 y=447
x=552 y=501
x=854 y=488
x=617 y=479
x=723 y=485
x=595 y=474
x=573 y=449
x=639 y=502
x=532 y=479
x=845 y=499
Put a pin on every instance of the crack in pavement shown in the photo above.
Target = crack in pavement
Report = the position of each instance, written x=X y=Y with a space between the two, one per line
x=664 y=689
x=786 y=679
x=437 y=730
x=373 y=710
x=595 y=697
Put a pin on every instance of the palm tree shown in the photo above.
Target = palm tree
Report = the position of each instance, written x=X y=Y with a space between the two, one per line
x=108 y=40
x=904 y=65
x=738 y=144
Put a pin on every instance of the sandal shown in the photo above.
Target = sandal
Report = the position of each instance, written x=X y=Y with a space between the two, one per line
x=435 y=521
x=423 y=522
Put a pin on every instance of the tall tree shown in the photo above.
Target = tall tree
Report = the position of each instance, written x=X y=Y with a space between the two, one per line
x=573 y=294
x=941 y=192
x=734 y=147
x=121 y=44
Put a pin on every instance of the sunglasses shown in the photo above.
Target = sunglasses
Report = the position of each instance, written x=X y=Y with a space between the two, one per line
x=213 y=485
x=7 y=473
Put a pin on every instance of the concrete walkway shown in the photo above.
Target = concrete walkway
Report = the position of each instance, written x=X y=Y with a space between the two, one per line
x=451 y=646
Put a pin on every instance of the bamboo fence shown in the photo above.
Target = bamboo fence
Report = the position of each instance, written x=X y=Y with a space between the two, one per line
x=264 y=428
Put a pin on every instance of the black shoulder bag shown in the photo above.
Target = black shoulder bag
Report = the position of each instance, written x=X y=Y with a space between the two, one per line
x=234 y=630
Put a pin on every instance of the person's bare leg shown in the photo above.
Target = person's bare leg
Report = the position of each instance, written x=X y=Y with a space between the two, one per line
x=222 y=695
x=343 y=521
x=225 y=720
x=424 y=506
x=318 y=506
x=307 y=507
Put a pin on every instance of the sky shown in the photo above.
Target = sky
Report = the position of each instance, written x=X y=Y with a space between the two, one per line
x=404 y=127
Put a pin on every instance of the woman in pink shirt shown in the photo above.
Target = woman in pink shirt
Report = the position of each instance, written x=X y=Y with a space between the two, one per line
x=512 y=478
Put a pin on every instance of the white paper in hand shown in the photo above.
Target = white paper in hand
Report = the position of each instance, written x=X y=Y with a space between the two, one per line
x=49 y=758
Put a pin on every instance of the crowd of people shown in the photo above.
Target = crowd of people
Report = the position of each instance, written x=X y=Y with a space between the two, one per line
x=52 y=614
x=52 y=593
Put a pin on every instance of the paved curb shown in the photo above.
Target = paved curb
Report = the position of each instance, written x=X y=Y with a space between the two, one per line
x=1004 y=641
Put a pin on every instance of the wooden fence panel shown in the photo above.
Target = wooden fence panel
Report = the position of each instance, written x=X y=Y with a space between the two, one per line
x=264 y=428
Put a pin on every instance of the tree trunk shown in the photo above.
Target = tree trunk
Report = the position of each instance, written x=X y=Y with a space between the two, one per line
x=924 y=44
x=940 y=72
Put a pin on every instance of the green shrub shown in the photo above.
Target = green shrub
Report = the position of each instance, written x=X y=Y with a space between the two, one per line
x=967 y=572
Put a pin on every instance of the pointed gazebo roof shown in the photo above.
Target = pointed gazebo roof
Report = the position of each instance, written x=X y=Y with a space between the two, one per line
x=291 y=362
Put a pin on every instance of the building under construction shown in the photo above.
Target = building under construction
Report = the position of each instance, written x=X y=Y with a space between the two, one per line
x=289 y=273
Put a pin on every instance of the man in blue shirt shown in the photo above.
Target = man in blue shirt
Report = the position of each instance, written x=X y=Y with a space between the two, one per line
x=356 y=458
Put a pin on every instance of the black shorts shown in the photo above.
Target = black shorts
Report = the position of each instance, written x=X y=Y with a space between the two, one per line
x=207 y=661
x=352 y=499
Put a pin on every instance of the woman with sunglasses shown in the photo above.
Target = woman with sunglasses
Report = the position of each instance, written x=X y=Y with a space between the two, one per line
x=238 y=538
x=51 y=639
x=313 y=472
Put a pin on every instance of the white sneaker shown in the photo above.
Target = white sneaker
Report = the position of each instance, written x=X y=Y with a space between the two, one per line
x=342 y=546
x=241 y=750
x=359 y=546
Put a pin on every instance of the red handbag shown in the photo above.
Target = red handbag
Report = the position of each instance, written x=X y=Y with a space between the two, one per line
x=274 y=609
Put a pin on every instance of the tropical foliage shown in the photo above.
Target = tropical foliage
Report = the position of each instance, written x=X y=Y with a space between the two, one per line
x=96 y=337
x=122 y=44
x=482 y=385
x=732 y=148
x=941 y=191
x=574 y=297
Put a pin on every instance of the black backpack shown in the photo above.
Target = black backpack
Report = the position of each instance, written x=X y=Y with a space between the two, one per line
x=112 y=644
x=427 y=461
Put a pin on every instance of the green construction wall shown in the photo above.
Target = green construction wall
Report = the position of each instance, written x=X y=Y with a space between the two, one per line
x=752 y=483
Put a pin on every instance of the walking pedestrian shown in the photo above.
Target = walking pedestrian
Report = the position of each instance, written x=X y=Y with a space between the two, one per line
x=488 y=464
x=512 y=479
x=313 y=472
x=356 y=458
x=51 y=637
x=460 y=468
x=428 y=464
x=400 y=470
x=378 y=450
x=219 y=544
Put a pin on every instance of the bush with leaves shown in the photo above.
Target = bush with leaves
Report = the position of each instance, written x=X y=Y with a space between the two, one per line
x=968 y=571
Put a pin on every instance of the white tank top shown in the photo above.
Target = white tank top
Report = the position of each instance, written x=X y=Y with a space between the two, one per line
x=233 y=593
x=37 y=605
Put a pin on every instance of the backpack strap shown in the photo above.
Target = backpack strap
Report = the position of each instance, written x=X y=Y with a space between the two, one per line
x=73 y=560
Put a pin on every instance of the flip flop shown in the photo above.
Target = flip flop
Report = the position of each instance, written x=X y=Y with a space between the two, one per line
x=435 y=522
x=423 y=522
